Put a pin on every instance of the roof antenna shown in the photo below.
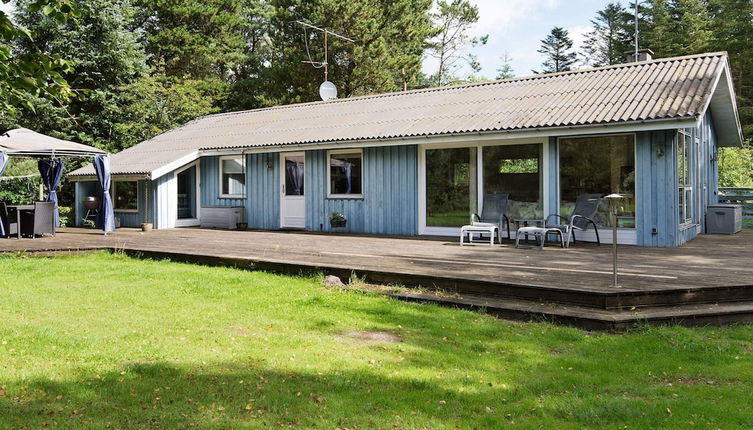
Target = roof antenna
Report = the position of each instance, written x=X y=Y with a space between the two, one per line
x=636 y=30
x=327 y=90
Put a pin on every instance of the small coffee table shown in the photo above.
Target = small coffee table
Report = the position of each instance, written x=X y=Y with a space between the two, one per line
x=539 y=234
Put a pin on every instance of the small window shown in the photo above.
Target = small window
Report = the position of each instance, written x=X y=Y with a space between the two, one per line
x=232 y=177
x=125 y=197
x=345 y=174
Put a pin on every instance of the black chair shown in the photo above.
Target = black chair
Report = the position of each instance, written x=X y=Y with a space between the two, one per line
x=586 y=206
x=39 y=221
x=494 y=212
x=8 y=218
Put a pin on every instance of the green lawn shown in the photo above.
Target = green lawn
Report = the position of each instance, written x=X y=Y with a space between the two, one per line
x=102 y=340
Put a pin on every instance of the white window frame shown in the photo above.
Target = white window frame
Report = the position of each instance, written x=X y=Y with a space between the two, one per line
x=685 y=193
x=330 y=153
x=242 y=158
x=114 y=193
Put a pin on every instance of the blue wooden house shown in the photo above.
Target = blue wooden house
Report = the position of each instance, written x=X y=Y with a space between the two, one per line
x=419 y=162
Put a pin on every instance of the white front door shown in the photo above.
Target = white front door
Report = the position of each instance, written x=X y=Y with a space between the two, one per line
x=293 y=200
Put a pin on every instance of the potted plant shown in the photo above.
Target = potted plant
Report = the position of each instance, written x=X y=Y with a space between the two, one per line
x=337 y=220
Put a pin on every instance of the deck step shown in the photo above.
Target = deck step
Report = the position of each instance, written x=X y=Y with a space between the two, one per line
x=588 y=317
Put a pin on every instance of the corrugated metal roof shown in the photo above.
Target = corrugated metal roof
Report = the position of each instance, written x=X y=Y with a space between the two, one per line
x=672 y=88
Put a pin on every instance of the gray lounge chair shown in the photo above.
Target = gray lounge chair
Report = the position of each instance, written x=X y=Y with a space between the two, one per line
x=39 y=221
x=8 y=218
x=493 y=213
x=586 y=206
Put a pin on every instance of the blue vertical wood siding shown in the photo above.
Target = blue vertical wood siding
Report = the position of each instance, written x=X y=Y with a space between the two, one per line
x=657 y=194
x=656 y=189
x=390 y=193
x=263 y=191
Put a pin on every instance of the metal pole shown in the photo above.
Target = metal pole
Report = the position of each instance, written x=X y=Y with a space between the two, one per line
x=636 y=30
x=614 y=245
x=613 y=199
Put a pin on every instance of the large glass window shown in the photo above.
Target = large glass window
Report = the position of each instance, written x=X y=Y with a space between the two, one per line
x=685 y=189
x=232 y=177
x=515 y=170
x=599 y=165
x=125 y=197
x=345 y=174
x=451 y=186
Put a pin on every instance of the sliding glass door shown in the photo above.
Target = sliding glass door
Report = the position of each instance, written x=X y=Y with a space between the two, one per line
x=599 y=165
x=456 y=180
x=451 y=186
x=515 y=170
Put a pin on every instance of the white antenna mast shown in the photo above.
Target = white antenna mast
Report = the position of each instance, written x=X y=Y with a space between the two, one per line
x=636 y=30
x=327 y=89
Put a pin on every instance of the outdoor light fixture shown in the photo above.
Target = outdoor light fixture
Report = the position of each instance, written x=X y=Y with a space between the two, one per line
x=613 y=200
x=270 y=165
x=660 y=150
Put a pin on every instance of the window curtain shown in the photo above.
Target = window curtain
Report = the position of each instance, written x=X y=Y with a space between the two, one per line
x=52 y=172
x=295 y=173
x=347 y=169
x=3 y=164
x=106 y=216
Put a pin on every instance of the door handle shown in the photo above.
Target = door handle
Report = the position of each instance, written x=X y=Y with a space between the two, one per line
x=283 y=189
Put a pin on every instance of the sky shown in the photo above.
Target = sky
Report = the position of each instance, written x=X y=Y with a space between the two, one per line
x=517 y=26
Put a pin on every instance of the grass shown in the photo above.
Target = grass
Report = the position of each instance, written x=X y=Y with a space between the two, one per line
x=100 y=340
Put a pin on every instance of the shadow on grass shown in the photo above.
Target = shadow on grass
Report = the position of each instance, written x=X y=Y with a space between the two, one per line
x=168 y=396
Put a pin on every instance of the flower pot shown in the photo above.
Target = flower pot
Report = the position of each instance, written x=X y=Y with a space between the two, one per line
x=338 y=223
x=242 y=226
x=146 y=226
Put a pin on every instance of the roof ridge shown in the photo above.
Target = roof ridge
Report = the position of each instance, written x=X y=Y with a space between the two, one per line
x=469 y=85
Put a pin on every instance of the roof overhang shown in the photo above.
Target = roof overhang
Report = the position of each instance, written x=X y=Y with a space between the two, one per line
x=723 y=105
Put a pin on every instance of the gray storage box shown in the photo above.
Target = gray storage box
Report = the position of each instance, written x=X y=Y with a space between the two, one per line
x=724 y=219
x=221 y=216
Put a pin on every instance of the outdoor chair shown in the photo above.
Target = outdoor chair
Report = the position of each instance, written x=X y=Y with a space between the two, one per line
x=493 y=214
x=586 y=206
x=39 y=221
x=8 y=218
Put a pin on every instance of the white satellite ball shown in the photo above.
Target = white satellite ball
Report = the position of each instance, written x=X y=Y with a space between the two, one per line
x=327 y=91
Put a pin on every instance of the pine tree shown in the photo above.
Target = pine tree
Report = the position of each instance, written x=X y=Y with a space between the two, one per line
x=610 y=38
x=732 y=32
x=453 y=20
x=557 y=51
x=505 y=71
x=106 y=55
x=692 y=26
x=657 y=27
x=196 y=39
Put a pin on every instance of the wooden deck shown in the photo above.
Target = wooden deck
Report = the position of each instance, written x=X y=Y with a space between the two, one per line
x=712 y=269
